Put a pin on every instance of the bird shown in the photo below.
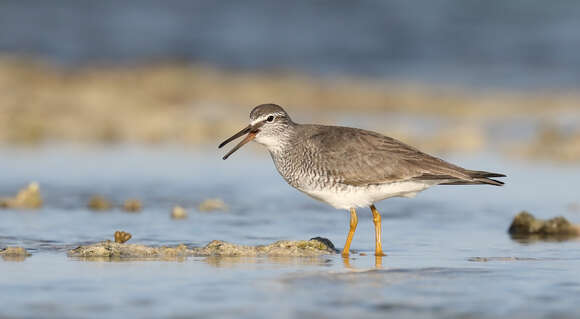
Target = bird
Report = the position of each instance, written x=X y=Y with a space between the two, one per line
x=349 y=168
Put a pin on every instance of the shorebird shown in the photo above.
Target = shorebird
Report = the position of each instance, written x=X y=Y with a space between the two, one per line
x=349 y=168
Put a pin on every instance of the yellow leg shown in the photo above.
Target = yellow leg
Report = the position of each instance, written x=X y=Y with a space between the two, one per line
x=353 y=223
x=377 y=221
x=346 y=262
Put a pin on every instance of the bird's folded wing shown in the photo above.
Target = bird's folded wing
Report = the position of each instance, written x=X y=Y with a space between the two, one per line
x=358 y=157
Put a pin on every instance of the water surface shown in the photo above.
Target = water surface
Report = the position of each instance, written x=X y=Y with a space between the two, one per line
x=432 y=242
x=498 y=44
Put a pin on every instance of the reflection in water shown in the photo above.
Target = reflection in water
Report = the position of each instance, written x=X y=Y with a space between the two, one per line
x=534 y=238
x=231 y=262
x=129 y=259
x=378 y=263
x=228 y=261
x=14 y=258
x=217 y=261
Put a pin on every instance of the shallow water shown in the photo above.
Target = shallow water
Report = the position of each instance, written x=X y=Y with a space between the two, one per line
x=432 y=242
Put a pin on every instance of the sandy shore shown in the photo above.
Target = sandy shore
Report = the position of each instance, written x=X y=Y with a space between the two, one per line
x=193 y=104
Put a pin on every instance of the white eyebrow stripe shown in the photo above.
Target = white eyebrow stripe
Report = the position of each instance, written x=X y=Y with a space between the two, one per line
x=264 y=117
x=256 y=121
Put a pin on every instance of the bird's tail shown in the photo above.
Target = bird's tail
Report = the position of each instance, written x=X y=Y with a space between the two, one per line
x=477 y=177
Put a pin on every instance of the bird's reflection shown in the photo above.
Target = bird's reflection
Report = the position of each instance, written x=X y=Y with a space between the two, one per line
x=378 y=263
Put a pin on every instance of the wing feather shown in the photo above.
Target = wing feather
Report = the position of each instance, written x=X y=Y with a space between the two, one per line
x=360 y=157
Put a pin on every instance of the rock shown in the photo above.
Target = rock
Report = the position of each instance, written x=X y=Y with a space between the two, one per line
x=325 y=241
x=300 y=248
x=113 y=249
x=14 y=254
x=132 y=206
x=212 y=204
x=526 y=226
x=14 y=251
x=178 y=212
x=27 y=198
x=122 y=237
x=99 y=203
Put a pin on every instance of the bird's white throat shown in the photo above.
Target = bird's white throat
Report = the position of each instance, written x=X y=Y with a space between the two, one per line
x=274 y=143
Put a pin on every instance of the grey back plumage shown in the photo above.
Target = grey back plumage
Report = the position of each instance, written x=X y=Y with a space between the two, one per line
x=358 y=157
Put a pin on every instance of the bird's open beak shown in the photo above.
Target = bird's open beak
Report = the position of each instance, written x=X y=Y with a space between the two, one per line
x=251 y=130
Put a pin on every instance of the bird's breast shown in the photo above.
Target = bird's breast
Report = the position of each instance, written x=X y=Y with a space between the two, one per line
x=299 y=169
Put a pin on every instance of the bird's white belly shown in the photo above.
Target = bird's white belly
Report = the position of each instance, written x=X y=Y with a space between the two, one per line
x=348 y=196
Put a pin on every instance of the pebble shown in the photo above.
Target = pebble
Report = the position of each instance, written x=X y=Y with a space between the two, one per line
x=121 y=236
x=525 y=225
x=132 y=206
x=178 y=212
x=212 y=204
x=99 y=203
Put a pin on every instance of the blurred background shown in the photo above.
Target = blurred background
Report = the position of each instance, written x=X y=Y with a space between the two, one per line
x=129 y=99
x=446 y=76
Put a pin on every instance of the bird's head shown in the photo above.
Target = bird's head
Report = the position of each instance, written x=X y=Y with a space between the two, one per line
x=269 y=125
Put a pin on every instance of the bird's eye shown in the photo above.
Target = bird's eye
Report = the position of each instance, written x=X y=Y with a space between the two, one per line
x=270 y=118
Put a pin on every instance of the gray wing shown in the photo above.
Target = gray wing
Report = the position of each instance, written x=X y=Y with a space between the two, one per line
x=362 y=157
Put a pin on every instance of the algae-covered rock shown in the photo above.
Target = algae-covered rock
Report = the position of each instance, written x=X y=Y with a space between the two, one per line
x=99 y=203
x=27 y=198
x=178 y=212
x=526 y=226
x=132 y=206
x=122 y=237
x=313 y=247
x=14 y=253
x=112 y=249
x=212 y=204
x=300 y=248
